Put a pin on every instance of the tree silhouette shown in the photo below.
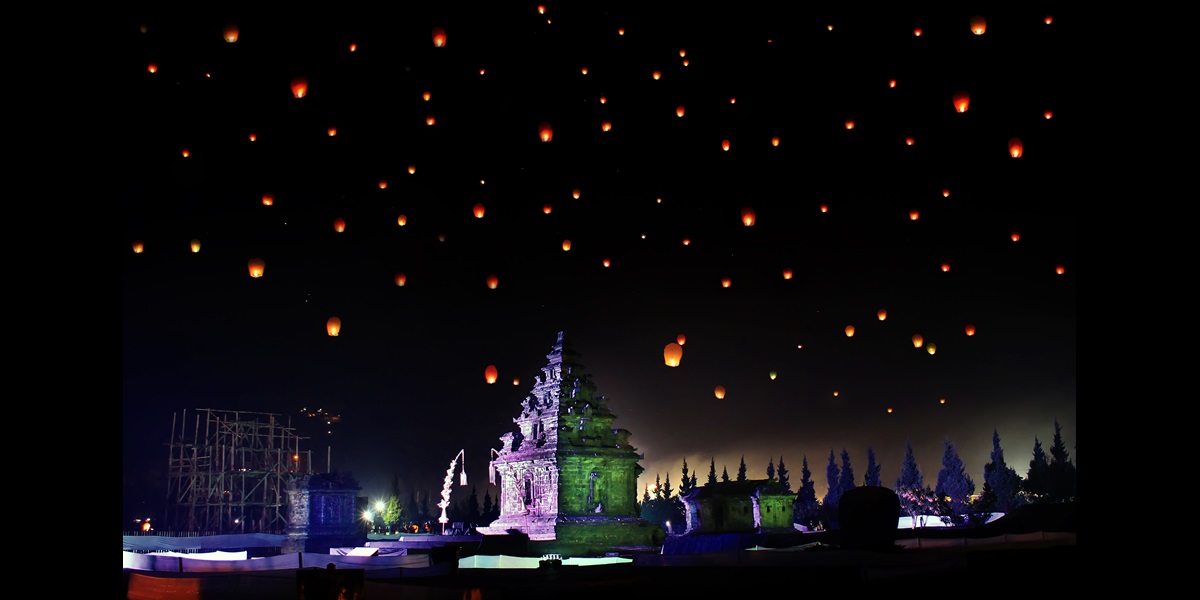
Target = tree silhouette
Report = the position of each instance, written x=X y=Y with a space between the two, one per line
x=725 y=474
x=741 y=476
x=832 y=493
x=910 y=475
x=658 y=490
x=783 y=475
x=667 y=491
x=805 y=508
x=1037 y=479
x=846 y=479
x=771 y=469
x=686 y=484
x=712 y=470
x=1001 y=484
x=873 y=468
x=1061 y=481
x=954 y=486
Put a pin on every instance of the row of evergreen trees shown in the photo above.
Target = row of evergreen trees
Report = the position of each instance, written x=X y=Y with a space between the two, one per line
x=952 y=497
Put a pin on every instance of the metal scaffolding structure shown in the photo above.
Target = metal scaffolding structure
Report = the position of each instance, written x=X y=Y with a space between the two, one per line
x=229 y=473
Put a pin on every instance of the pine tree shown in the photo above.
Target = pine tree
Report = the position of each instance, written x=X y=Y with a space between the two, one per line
x=725 y=474
x=771 y=469
x=488 y=507
x=910 y=476
x=873 y=468
x=829 y=503
x=712 y=470
x=473 y=516
x=1037 y=479
x=391 y=514
x=667 y=491
x=846 y=479
x=646 y=496
x=741 y=476
x=685 y=485
x=658 y=490
x=805 y=508
x=783 y=475
x=693 y=484
x=1061 y=480
x=412 y=510
x=954 y=486
x=1001 y=484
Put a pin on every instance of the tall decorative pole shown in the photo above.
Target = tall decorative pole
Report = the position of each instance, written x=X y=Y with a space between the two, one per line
x=446 y=487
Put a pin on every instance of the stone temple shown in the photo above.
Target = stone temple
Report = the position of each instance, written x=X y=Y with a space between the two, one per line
x=567 y=477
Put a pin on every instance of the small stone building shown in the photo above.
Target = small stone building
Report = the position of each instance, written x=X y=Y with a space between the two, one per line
x=751 y=506
x=322 y=513
x=566 y=475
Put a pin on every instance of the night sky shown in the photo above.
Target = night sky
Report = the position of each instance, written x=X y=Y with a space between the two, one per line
x=946 y=233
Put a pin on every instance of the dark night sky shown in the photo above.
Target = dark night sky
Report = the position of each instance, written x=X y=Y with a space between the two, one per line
x=406 y=373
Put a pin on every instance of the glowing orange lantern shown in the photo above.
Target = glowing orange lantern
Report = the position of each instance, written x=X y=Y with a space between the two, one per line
x=835 y=393
x=946 y=193
x=733 y=100
x=656 y=75
x=824 y=208
x=401 y=280
x=775 y=141
x=681 y=339
x=566 y=245
x=545 y=132
x=606 y=126
x=679 y=110
x=918 y=340
x=945 y=267
x=726 y=282
x=412 y=169
x=889 y=410
x=383 y=184
x=719 y=392
x=541 y=9
x=603 y=100
x=195 y=246
x=787 y=273
x=353 y=47
x=1015 y=148
x=891 y=83
x=606 y=263
x=186 y=153
x=1049 y=19
x=1059 y=270
x=917 y=32
x=439 y=37
x=299 y=87
x=339 y=225
x=849 y=331
x=268 y=199
x=882 y=314
x=1016 y=236
x=425 y=96
x=256 y=266
x=478 y=210
x=672 y=354
x=402 y=220
x=941 y=400
x=492 y=282
x=978 y=25
x=332 y=131
x=913 y=215
x=908 y=141
x=546 y=208
x=849 y=123
x=970 y=329
x=138 y=246
x=687 y=242
x=231 y=33
x=429 y=120
x=516 y=381
x=725 y=145
x=333 y=326
x=575 y=193
x=931 y=348
x=1048 y=114
x=491 y=374
x=253 y=136
x=961 y=101
x=583 y=70
x=153 y=68
x=748 y=216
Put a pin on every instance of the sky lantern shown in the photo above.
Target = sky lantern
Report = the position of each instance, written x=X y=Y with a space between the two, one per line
x=253 y=136
x=849 y=123
x=945 y=267
x=576 y=193
x=748 y=216
x=299 y=87
x=332 y=131
x=719 y=392
x=945 y=192
x=353 y=47
x=908 y=141
x=426 y=95
x=402 y=220
x=492 y=282
x=516 y=381
x=383 y=184
x=186 y=153
x=1016 y=237
x=339 y=225
x=231 y=33
x=733 y=100
x=439 y=37
x=430 y=120
x=913 y=215
x=772 y=375
x=656 y=75
x=931 y=348
x=918 y=340
x=1049 y=19
x=268 y=199
x=835 y=393
x=725 y=145
x=606 y=262
x=545 y=132
x=978 y=25
x=961 y=101
x=681 y=339
x=726 y=282
x=606 y=126
x=401 y=280
x=546 y=208
x=1048 y=114
x=970 y=329
x=412 y=169
x=490 y=374
x=1060 y=270
x=583 y=70
x=672 y=354
x=787 y=273
x=849 y=331
x=333 y=326
x=603 y=100
x=824 y=208
x=1015 y=148
x=891 y=83
x=153 y=68
x=541 y=9
x=882 y=314
x=478 y=210
x=195 y=246
x=775 y=141
x=889 y=410
x=138 y=246
x=256 y=266
x=566 y=245
x=917 y=32
x=679 y=110
x=687 y=241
